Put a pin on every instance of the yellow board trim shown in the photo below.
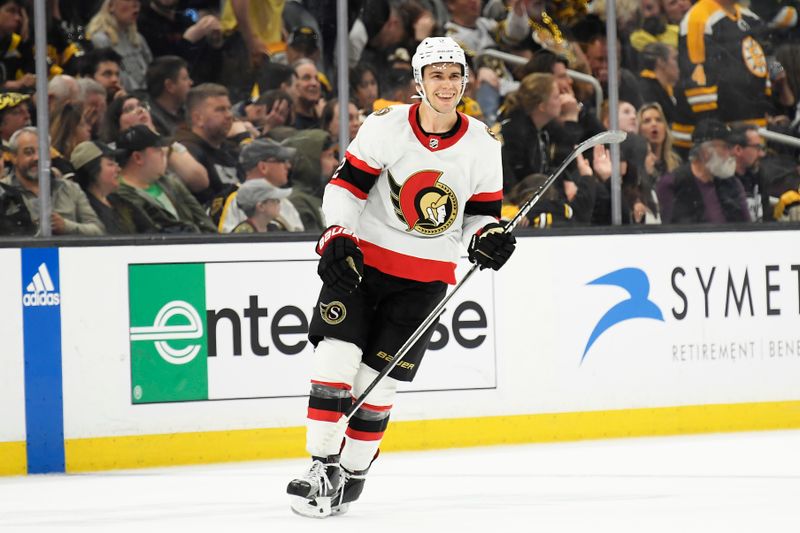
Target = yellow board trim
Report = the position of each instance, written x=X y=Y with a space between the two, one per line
x=13 y=459
x=107 y=453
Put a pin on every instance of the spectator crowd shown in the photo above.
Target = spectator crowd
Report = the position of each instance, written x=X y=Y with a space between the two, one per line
x=209 y=116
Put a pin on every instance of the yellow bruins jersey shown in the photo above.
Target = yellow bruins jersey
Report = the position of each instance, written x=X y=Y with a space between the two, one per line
x=723 y=69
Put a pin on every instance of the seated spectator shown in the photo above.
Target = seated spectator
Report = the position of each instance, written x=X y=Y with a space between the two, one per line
x=145 y=184
x=749 y=149
x=93 y=96
x=308 y=99
x=658 y=77
x=211 y=120
x=364 y=86
x=103 y=66
x=114 y=26
x=269 y=111
x=14 y=114
x=526 y=144
x=62 y=90
x=129 y=111
x=379 y=28
x=68 y=128
x=97 y=172
x=596 y=50
x=705 y=189
x=261 y=203
x=168 y=85
x=661 y=159
x=546 y=61
x=14 y=216
x=552 y=210
x=262 y=159
x=72 y=214
x=316 y=160
x=330 y=119
x=17 y=66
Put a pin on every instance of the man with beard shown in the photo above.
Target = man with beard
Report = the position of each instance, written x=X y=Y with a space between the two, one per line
x=705 y=188
x=208 y=108
x=72 y=214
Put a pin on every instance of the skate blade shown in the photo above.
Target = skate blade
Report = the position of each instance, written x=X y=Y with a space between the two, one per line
x=319 y=507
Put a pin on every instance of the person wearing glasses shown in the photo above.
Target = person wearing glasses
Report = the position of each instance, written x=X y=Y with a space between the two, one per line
x=749 y=149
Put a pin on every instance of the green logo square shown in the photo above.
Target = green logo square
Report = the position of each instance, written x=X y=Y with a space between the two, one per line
x=168 y=338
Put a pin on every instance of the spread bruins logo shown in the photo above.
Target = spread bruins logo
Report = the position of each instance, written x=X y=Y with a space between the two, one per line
x=333 y=313
x=754 y=58
x=383 y=111
x=424 y=204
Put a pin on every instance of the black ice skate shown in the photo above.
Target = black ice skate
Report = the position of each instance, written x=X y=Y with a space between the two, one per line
x=312 y=493
x=350 y=488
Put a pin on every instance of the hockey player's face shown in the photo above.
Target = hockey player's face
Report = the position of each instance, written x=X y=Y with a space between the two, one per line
x=442 y=82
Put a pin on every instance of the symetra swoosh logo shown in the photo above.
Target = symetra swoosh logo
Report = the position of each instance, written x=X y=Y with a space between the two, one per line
x=162 y=332
x=635 y=282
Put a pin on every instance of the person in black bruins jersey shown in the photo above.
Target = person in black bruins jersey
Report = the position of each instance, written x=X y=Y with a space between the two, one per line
x=723 y=68
x=417 y=184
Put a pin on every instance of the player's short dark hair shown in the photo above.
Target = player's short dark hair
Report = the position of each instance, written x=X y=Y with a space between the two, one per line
x=162 y=69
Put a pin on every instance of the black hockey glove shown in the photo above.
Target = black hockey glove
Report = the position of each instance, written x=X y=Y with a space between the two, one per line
x=341 y=263
x=491 y=247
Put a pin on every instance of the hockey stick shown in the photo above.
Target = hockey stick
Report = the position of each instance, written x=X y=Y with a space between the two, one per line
x=606 y=137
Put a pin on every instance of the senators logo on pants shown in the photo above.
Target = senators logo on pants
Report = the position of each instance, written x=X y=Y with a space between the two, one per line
x=423 y=204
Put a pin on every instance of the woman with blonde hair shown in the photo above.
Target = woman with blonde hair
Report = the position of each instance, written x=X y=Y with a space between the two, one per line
x=526 y=144
x=660 y=160
x=114 y=26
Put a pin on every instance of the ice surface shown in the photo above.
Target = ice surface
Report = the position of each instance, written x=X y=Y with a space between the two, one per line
x=746 y=482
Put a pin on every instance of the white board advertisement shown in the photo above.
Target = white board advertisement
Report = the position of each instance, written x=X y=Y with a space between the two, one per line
x=12 y=375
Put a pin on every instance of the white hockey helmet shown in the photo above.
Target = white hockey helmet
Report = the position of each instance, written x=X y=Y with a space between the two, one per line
x=438 y=50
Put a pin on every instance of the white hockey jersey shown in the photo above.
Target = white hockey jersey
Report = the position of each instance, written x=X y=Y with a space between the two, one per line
x=414 y=199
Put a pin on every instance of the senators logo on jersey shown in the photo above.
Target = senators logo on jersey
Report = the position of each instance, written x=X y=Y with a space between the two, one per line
x=424 y=204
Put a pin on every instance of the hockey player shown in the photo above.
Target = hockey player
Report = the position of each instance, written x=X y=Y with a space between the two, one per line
x=417 y=183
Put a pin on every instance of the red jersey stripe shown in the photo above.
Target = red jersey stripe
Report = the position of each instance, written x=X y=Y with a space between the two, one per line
x=361 y=165
x=355 y=191
x=407 y=266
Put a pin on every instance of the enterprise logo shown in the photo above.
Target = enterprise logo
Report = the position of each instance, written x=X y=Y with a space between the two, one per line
x=637 y=285
x=187 y=326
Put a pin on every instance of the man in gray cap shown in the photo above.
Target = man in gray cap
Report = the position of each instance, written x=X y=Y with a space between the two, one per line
x=705 y=188
x=263 y=159
x=261 y=202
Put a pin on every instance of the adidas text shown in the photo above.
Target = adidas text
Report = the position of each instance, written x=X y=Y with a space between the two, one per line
x=36 y=299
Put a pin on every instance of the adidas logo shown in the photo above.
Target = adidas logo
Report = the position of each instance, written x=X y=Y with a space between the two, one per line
x=41 y=291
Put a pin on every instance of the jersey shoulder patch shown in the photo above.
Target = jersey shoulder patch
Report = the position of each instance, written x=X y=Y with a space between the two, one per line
x=381 y=112
x=494 y=132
